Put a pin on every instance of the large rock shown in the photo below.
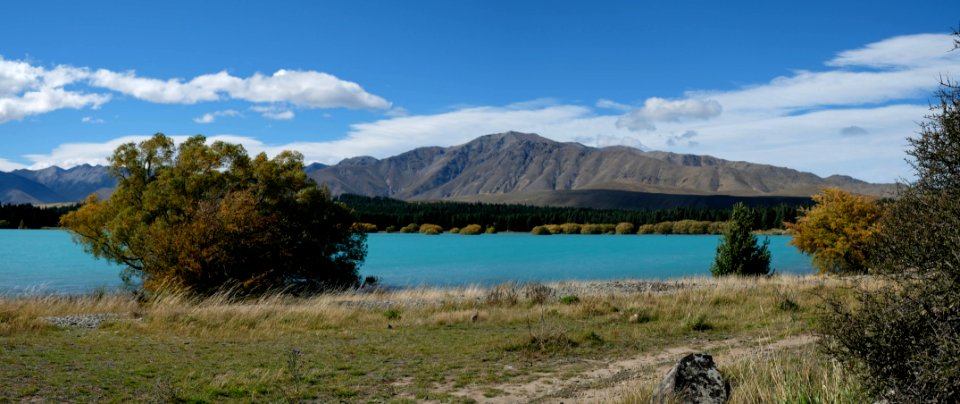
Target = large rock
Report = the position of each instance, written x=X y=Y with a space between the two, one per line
x=695 y=379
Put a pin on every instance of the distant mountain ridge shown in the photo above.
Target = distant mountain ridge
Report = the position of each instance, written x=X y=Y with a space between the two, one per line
x=509 y=167
x=55 y=184
x=515 y=167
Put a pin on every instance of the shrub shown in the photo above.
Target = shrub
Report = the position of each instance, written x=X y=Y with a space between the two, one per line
x=903 y=339
x=646 y=229
x=491 y=230
x=569 y=299
x=663 y=228
x=625 y=228
x=739 y=252
x=455 y=230
x=570 y=228
x=554 y=228
x=392 y=314
x=540 y=231
x=471 y=230
x=391 y=229
x=365 y=227
x=591 y=229
x=410 y=228
x=430 y=229
x=204 y=217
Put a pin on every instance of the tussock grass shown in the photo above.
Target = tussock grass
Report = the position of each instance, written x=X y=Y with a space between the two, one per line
x=444 y=343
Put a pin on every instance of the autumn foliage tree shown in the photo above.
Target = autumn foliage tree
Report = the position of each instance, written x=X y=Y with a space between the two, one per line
x=837 y=231
x=202 y=218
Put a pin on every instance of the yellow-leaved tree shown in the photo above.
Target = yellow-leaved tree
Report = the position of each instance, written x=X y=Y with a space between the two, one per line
x=837 y=231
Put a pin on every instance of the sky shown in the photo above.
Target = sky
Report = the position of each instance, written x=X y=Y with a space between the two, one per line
x=829 y=87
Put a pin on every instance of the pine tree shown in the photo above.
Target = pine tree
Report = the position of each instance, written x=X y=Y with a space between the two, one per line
x=739 y=252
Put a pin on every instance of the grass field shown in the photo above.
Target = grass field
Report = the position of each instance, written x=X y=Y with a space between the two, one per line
x=572 y=342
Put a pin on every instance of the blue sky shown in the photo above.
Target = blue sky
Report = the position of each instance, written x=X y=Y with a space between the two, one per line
x=827 y=87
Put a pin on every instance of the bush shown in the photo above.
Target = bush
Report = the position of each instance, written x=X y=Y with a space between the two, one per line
x=455 y=230
x=903 y=339
x=739 y=252
x=391 y=229
x=471 y=230
x=410 y=228
x=625 y=228
x=540 y=231
x=569 y=299
x=663 y=228
x=570 y=228
x=430 y=229
x=646 y=229
x=591 y=229
x=365 y=227
x=202 y=218
x=491 y=230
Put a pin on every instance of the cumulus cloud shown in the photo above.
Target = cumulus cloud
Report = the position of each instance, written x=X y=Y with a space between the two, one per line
x=27 y=90
x=307 y=89
x=211 y=117
x=657 y=109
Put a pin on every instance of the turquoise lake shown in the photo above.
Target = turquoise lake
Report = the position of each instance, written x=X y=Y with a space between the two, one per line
x=47 y=261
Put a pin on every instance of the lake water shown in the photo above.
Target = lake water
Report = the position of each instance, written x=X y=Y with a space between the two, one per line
x=47 y=261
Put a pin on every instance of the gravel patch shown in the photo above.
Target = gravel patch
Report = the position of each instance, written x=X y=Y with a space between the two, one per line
x=80 y=320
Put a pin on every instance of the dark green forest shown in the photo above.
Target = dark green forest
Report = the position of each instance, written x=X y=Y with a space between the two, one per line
x=385 y=212
x=27 y=216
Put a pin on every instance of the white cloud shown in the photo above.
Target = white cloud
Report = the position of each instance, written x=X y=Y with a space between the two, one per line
x=899 y=52
x=91 y=120
x=211 y=117
x=609 y=104
x=27 y=90
x=306 y=89
x=172 y=91
x=660 y=110
x=273 y=112
x=46 y=99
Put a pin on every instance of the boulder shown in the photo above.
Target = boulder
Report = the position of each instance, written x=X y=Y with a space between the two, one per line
x=695 y=379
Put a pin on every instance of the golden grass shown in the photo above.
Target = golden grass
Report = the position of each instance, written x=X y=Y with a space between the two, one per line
x=413 y=343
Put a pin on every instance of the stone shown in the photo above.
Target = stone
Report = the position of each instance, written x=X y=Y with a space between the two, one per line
x=694 y=380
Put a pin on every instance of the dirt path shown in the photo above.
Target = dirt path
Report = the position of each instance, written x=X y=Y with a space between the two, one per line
x=612 y=381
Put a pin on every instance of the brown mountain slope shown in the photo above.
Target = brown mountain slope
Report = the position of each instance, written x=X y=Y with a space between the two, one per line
x=516 y=166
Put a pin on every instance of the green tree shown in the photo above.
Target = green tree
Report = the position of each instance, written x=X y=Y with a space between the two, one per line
x=202 y=218
x=739 y=252
x=904 y=339
x=837 y=231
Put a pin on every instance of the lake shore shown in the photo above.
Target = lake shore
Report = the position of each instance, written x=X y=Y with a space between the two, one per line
x=577 y=341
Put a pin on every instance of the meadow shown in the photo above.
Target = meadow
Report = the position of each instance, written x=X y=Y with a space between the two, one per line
x=605 y=341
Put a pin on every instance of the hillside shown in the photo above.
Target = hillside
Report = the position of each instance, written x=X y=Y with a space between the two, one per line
x=526 y=168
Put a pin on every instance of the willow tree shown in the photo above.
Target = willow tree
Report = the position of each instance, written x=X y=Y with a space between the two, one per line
x=202 y=218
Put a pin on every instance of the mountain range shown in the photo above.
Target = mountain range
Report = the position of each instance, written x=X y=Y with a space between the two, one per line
x=526 y=168
x=509 y=167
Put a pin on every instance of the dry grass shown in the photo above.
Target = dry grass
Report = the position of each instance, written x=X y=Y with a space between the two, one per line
x=415 y=344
